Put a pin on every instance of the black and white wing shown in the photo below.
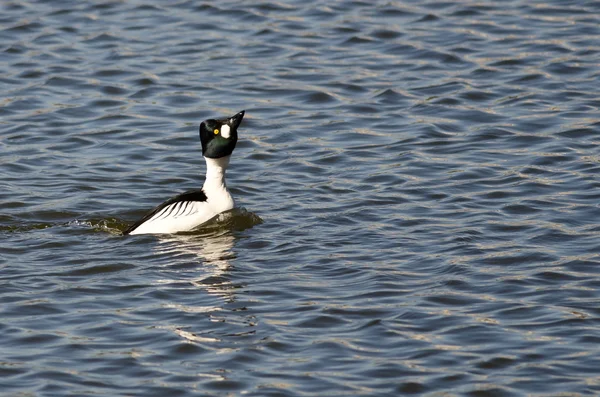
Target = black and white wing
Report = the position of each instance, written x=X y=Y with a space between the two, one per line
x=180 y=213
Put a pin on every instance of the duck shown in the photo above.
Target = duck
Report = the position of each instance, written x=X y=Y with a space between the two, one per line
x=192 y=208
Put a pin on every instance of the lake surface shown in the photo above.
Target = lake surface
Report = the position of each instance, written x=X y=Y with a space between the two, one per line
x=417 y=185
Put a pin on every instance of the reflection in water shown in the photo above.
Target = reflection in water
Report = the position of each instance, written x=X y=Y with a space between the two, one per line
x=207 y=250
x=213 y=254
x=202 y=261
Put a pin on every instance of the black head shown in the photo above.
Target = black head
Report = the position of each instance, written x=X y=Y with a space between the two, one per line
x=218 y=137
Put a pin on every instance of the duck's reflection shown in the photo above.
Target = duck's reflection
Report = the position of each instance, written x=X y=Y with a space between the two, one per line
x=197 y=262
x=203 y=259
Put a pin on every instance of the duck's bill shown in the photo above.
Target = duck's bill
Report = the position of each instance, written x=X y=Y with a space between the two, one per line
x=234 y=121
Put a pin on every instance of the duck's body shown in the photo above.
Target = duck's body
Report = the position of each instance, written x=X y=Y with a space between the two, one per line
x=189 y=210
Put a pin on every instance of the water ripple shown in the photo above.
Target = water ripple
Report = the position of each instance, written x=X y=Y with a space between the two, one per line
x=416 y=182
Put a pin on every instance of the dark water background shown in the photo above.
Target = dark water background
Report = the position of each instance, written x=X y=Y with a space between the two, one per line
x=418 y=182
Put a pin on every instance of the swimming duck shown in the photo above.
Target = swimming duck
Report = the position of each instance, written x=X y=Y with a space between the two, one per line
x=188 y=210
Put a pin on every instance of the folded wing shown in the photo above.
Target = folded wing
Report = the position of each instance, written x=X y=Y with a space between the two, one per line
x=180 y=213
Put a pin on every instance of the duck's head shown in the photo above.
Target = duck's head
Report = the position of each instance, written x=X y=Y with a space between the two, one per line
x=218 y=137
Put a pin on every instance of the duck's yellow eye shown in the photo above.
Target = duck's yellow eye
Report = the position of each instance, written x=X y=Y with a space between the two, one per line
x=216 y=131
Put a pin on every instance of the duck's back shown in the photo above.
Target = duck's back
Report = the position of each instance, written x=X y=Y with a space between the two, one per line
x=178 y=214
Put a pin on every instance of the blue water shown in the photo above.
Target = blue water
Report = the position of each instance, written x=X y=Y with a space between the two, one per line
x=417 y=185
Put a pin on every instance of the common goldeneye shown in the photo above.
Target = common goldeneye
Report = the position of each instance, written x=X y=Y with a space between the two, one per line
x=188 y=210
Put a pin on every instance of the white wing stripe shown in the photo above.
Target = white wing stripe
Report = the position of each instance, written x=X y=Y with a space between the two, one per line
x=164 y=213
x=155 y=217
x=172 y=211
x=185 y=208
x=176 y=209
x=191 y=210
x=181 y=208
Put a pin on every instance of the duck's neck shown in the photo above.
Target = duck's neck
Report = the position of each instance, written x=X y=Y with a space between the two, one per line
x=215 y=174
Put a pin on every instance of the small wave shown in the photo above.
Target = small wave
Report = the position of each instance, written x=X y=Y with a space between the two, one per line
x=238 y=219
x=108 y=225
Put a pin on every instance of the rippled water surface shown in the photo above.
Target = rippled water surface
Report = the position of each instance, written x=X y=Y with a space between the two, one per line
x=417 y=183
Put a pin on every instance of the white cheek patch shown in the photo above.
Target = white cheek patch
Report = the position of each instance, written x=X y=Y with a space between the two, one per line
x=225 y=131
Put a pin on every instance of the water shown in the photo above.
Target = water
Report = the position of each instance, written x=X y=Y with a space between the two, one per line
x=417 y=183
